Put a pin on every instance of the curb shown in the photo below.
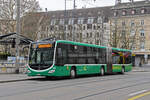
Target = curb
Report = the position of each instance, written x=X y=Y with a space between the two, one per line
x=8 y=81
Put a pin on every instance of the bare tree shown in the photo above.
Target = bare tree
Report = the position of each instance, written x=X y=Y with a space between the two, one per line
x=8 y=11
x=8 y=8
x=124 y=36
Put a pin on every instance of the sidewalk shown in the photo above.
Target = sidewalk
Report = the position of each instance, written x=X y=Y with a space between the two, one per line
x=143 y=68
x=4 y=78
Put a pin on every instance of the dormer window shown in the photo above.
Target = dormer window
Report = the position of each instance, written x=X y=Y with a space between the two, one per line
x=133 y=12
x=143 y=11
x=115 y=13
x=123 y=12
x=90 y=20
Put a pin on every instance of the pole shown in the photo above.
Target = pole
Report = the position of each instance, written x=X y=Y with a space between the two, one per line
x=17 y=38
x=102 y=32
x=73 y=17
x=65 y=21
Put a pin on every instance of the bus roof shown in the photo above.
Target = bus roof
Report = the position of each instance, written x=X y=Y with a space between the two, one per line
x=78 y=43
x=90 y=45
x=119 y=49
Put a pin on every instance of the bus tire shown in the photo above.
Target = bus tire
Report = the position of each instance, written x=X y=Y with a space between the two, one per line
x=122 y=70
x=102 y=71
x=72 y=73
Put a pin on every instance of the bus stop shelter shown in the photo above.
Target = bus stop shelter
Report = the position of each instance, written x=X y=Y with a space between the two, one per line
x=8 y=42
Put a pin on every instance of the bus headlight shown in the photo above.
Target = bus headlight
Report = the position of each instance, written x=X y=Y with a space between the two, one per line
x=51 y=71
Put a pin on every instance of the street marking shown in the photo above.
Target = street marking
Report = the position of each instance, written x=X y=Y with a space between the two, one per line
x=139 y=96
x=139 y=92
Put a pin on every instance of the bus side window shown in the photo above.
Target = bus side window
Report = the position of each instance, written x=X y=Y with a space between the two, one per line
x=59 y=52
x=59 y=60
x=128 y=58
x=81 y=55
x=62 y=54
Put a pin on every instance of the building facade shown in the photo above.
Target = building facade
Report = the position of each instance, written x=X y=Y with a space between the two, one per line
x=82 y=25
x=130 y=28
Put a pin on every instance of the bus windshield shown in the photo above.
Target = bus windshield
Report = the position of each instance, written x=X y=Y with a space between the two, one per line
x=41 y=56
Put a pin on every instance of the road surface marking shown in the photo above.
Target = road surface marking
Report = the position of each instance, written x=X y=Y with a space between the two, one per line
x=139 y=92
x=139 y=96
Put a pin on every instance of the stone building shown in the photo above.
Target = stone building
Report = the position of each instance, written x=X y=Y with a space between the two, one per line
x=89 y=25
x=130 y=28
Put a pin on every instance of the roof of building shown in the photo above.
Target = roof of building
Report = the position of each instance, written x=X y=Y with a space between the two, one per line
x=10 y=38
x=136 y=4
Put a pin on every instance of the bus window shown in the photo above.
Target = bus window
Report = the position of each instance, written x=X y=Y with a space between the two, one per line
x=81 y=55
x=102 y=55
x=59 y=59
x=115 y=57
x=128 y=57
x=61 y=54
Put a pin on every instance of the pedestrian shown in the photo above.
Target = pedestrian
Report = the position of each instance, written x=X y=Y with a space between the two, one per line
x=140 y=64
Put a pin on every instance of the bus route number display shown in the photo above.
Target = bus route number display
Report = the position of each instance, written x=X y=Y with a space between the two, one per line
x=44 y=45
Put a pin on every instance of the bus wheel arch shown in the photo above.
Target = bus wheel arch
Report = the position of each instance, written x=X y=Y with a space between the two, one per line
x=102 y=70
x=73 y=72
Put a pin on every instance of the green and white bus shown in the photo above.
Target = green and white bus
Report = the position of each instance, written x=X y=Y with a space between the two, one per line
x=68 y=58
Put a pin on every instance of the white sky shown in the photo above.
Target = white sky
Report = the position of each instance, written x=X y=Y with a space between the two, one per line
x=60 y=4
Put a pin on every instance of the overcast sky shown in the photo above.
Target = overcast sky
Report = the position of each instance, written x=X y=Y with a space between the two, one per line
x=60 y=4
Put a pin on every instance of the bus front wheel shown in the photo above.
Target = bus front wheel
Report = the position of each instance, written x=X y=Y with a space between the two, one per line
x=102 y=71
x=72 y=73
x=122 y=70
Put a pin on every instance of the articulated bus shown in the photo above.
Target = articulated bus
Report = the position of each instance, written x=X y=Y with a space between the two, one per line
x=68 y=58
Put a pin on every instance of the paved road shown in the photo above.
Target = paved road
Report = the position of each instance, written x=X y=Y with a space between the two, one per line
x=131 y=86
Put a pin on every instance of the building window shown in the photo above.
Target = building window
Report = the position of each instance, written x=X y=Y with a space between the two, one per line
x=91 y=34
x=90 y=20
x=99 y=20
x=53 y=21
x=84 y=27
x=142 y=22
x=133 y=12
x=142 y=33
x=123 y=33
x=80 y=20
x=89 y=26
x=132 y=23
x=123 y=23
x=115 y=13
x=61 y=21
x=87 y=35
x=98 y=34
x=142 y=46
x=143 y=11
x=123 y=12
x=71 y=21
x=132 y=32
x=94 y=27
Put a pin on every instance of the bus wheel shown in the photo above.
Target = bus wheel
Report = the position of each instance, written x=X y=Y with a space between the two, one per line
x=102 y=71
x=122 y=70
x=72 y=73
